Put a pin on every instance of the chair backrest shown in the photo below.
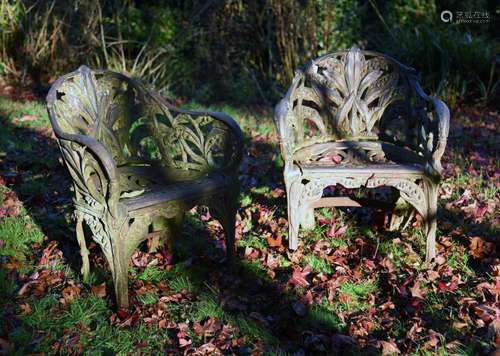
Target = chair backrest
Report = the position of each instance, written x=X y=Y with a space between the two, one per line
x=134 y=123
x=356 y=95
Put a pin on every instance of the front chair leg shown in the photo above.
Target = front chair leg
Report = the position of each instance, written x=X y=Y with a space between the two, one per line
x=293 y=192
x=119 y=238
x=431 y=190
x=119 y=271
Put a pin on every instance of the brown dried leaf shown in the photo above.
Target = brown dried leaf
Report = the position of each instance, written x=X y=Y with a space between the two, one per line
x=298 y=276
x=388 y=347
x=70 y=292
x=277 y=242
x=25 y=309
x=99 y=290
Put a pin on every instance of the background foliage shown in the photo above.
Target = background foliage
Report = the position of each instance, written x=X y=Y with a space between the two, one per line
x=244 y=51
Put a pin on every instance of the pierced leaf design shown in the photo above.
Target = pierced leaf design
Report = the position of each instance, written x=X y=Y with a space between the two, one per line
x=351 y=91
x=131 y=122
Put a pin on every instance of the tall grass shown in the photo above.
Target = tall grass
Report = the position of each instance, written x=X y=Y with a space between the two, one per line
x=241 y=51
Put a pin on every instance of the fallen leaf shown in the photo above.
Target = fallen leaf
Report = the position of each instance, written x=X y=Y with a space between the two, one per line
x=298 y=276
x=277 y=242
x=28 y=118
x=25 y=309
x=417 y=291
x=70 y=292
x=99 y=290
x=388 y=347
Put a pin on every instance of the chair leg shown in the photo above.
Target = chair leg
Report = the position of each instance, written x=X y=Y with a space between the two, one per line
x=293 y=192
x=84 y=252
x=161 y=226
x=308 y=222
x=401 y=213
x=118 y=242
x=119 y=271
x=225 y=211
x=175 y=230
x=431 y=190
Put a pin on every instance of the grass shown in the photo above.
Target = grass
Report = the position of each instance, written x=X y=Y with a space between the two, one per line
x=357 y=295
x=326 y=316
x=318 y=264
x=251 y=299
x=181 y=283
x=207 y=306
x=31 y=114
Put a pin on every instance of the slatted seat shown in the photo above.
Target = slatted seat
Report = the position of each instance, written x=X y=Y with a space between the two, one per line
x=360 y=119
x=178 y=192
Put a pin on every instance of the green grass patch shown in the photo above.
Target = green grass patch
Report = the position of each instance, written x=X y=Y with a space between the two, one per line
x=253 y=240
x=18 y=234
x=252 y=330
x=27 y=114
x=318 y=264
x=181 y=283
x=357 y=294
x=321 y=314
x=207 y=306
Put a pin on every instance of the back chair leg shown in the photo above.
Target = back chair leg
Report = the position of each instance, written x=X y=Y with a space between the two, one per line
x=225 y=211
x=401 y=213
x=84 y=252
x=175 y=229
x=308 y=222
x=162 y=227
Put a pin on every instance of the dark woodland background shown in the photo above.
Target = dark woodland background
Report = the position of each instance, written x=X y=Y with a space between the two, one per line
x=245 y=52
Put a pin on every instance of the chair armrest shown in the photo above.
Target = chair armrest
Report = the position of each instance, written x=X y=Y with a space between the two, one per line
x=82 y=166
x=441 y=132
x=98 y=150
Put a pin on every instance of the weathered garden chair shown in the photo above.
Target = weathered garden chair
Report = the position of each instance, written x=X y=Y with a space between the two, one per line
x=360 y=119
x=138 y=163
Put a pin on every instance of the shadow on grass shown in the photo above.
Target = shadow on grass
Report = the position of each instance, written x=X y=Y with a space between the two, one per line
x=265 y=308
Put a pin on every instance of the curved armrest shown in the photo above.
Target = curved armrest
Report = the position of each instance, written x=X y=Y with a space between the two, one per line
x=443 y=126
x=98 y=149
x=106 y=163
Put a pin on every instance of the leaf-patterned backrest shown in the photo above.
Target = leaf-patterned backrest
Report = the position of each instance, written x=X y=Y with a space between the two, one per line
x=355 y=95
x=137 y=126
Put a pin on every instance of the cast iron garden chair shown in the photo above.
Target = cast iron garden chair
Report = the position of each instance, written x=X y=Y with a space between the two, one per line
x=360 y=119
x=137 y=163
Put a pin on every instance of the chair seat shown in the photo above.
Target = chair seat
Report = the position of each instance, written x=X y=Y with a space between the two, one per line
x=359 y=156
x=183 y=191
x=345 y=169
